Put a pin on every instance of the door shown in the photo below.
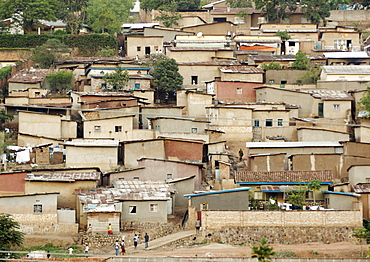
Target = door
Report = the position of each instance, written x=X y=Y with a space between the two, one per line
x=321 y=109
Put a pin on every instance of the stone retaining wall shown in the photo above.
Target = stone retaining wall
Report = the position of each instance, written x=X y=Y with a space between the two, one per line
x=280 y=235
x=154 y=230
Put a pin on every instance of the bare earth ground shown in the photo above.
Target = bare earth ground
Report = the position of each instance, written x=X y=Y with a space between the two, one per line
x=308 y=250
x=311 y=250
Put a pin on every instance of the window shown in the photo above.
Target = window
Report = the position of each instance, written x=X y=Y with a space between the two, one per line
x=103 y=85
x=138 y=48
x=291 y=43
x=97 y=128
x=169 y=176
x=132 y=209
x=268 y=122
x=336 y=107
x=256 y=123
x=309 y=194
x=194 y=80
x=368 y=180
x=280 y=122
x=203 y=206
x=271 y=81
x=118 y=128
x=194 y=130
x=37 y=208
x=158 y=128
x=153 y=207
x=136 y=178
x=239 y=91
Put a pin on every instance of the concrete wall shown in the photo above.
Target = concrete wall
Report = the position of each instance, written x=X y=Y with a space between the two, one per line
x=288 y=75
x=105 y=158
x=193 y=56
x=69 y=129
x=358 y=174
x=134 y=43
x=343 y=112
x=267 y=163
x=108 y=128
x=317 y=162
x=203 y=72
x=143 y=213
x=150 y=112
x=217 y=220
x=306 y=134
x=100 y=222
x=171 y=125
x=28 y=140
x=258 y=78
x=341 y=202
x=137 y=150
x=66 y=198
x=196 y=104
x=222 y=201
x=40 y=124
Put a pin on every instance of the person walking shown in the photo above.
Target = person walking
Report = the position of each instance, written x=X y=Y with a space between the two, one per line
x=116 y=247
x=123 y=250
x=87 y=250
x=136 y=239
x=146 y=237
x=197 y=226
x=89 y=230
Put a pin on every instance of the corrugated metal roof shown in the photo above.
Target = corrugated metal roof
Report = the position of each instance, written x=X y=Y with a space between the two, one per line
x=362 y=55
x=331 y=95
x=242 y=70
x=347 y=69
x=292 y=144
x=218 y=192
x=60 y=176
x=283 y=176
x=361 y=188
x=190 y=48
x=32 y=75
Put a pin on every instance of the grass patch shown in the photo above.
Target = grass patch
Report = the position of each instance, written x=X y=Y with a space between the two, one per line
x=286 y=253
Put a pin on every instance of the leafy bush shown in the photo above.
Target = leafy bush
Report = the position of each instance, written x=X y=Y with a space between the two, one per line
x=271 y=65
x=286 y=253
x=5 y=72
x=87 y=45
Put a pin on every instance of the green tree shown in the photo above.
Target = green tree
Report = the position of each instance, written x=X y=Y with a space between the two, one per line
x=117 y=80
x=60 y=81
x=364 y=104
x=310 y=76
x=4 y=117
x=284 y=35
x=243 y=14
x=9 y=234
x=26 y=12
x=239 y=3
x=168 y=18
x=276 y=10
x=166 y=76
x=302 y=62
x=73 y=12
x=315 y=10
x=106 y=52
x=271 y=65
x=314 y=185
x=175 y=5
x=46 y=54
x=108 y=15
x=263 y=252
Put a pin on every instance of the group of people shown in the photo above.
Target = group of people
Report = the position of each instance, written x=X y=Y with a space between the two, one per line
x=118 y=246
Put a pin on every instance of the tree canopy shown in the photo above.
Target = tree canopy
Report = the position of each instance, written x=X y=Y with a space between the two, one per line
x=364 y=104
x=59 y=81
x=108 y=16
x=175 y=5
x=271 y=65
x=301 y=61
x=315 y=10
x=239 y=3
x=276 y=10
x=9 y=234
x=117 y=80
x=167 y=76
x=73 y=12
x=314 y=185
x=26 y=12
x=46 y=54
